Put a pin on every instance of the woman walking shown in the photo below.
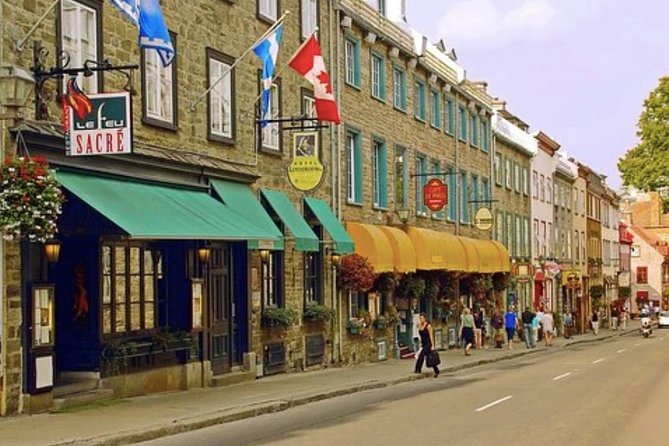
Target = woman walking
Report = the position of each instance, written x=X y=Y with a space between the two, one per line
x=548 y=325
x=427 y=344
x=478 y=329
x=467 y=330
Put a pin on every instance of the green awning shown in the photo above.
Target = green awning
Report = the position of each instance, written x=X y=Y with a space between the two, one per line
x=241 y=199
x=343 y=244
x=157 y=211
x=305 y=239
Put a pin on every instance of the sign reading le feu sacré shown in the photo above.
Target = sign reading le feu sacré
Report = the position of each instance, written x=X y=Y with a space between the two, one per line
x=105 y=130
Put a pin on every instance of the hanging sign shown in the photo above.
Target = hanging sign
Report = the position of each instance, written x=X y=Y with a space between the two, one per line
x=571 y=279
x=483 y=220
x=306 y=170
x=97 y=124
x=435 y=195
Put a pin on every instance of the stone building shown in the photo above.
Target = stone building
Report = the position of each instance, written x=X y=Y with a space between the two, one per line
x=581 y=304
x=594 y=196
x=650 y=268
x=564 y=209
x=610 y=245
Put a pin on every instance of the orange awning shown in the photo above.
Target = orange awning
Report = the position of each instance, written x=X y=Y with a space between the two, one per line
x=437 y=250
x=404 y=255
x=371 y=242
x=489 y=256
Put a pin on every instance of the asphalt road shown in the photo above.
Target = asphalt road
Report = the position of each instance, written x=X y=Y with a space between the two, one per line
x=609 y=393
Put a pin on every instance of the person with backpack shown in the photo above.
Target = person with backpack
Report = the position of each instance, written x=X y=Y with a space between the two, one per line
x=510 y=325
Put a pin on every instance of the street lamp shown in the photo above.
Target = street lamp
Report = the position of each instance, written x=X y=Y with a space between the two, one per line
x=403 y=215
x=16 y=86
x=52 y=250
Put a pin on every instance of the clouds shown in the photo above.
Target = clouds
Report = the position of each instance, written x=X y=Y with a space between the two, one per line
x=497 y=22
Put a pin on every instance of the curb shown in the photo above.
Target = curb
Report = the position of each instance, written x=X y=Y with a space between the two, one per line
x=263 y=408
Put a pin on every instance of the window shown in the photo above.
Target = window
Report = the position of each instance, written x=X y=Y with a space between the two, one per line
x=475 y=130
x=309 y=17
x=577 y=242
x=583 y=258
x=449 y=117
x=382 y=7
x=475 y=190
x=606 y=252
x=519 y=235
x=313 y=276
x=353 y=168
x=526 y=181
x=270 y=278
x=517 y=178
x=308 y=104
x=80 y=30
x=462 y=113
x=549 y=190
x=419 y=99
x=510 y=234
x=464 y=198
x=129 y=279
x=452 y=194
x=401 y=176
x=485 y=191
x=508 y=181
x=221 y=112
x=268 y=9
x=544 y=238
x=499 y=170
x=271 y=134
x=549 y=240
x=526 y=237
x=357 y=300
x=421 y=179
x=642 y=274
x=499 y=228
x=160 y=89
x=435 y=105
x=399 y=89
x=542 y=188
x=378 y=74
x=535 y=184
x=485 y=135
x=436 y=170
x=537 y=243
x=379 y=174
x=352 y=54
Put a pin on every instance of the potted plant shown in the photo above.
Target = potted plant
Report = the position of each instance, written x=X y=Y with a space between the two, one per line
x=278 y=317
x=380 y=322
x=355 y=325
x=318 y=312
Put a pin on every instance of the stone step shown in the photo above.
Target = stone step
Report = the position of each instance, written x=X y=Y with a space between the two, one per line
x=82 y=398
x=228 y=379
x=68 y=387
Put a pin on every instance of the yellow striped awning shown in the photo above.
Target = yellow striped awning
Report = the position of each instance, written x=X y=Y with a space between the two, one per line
x=404 y=255
x=371 y=242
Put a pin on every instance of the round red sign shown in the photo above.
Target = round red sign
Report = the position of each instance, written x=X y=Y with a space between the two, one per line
x=435 y=195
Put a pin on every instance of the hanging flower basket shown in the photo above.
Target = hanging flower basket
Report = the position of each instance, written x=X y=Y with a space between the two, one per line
x=356 y=273
x=30 y=199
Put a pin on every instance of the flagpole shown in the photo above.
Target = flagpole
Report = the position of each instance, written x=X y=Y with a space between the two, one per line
x=248 y=50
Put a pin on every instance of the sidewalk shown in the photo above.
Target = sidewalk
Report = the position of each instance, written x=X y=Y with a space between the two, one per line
x=143 y=418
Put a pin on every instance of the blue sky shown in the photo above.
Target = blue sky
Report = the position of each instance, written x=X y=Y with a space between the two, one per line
x=577 y=69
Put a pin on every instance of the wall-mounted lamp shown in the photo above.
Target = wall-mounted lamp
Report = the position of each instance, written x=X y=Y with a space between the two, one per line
x=370 y=38
x=394 y=52
x=412 y=63
x=16 y=85
x=264 y=255
x=432 y=79
x=346 y=22
x=203 y=253
x=403 y=215
x=52 y=250
x=335 y=259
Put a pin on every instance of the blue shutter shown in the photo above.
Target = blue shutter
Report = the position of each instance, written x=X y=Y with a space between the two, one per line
x=383 y=177
x=358 y=169
x=356 y=63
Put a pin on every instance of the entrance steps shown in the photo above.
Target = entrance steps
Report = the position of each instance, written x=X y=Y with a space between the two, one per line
x=70 y=392
x=236 y=376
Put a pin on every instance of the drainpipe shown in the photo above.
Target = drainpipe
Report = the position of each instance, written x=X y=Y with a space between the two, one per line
x=458 y=195
x=3 y=343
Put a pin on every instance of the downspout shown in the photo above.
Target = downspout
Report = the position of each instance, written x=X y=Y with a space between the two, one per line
x=3 y=343
x=458 y=195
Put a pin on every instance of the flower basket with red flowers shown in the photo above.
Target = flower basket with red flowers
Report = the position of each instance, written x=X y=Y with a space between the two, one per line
x=356 y=273
x=30 y=199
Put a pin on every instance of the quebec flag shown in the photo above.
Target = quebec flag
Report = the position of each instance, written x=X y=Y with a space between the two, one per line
x=148 y=17
x=267 y=51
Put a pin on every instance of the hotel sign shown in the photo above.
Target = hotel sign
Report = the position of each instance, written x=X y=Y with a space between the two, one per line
x=102 y=127
x=306 y=170
x=435 y=195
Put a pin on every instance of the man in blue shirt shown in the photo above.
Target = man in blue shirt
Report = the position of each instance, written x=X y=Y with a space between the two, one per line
x=510 y=323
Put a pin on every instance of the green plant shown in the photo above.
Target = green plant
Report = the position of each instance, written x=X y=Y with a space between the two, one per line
x=392 y=314
x=318 y=312
x=411 y=285
x=386 y=282
x=625 y=292
x=356 y=273
x=380 y=322
x=596 y=291
x=278 y=317
x=500 y=281
x=30 y=199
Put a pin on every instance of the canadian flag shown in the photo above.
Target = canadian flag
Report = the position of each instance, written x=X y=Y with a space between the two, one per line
x=308 y=62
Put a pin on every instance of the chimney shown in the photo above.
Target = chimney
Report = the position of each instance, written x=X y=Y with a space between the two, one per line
x=655 y=209
x=396 y=10
x=499 y=104
x=480 y=85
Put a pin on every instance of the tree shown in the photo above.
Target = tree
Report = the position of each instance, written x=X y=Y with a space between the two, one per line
x=646 y=166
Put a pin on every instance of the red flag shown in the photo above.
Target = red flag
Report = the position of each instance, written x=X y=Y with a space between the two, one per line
x=308 y=62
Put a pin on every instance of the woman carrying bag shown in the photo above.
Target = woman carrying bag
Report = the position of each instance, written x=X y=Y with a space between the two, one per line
x=467 y=330
x=428 y=350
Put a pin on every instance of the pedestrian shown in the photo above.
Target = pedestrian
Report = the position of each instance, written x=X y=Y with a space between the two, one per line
x=538 y=332
x=497 y=323
x=510 y=324
x=548 y=325
x=623 y=319
x=427 y=344
x=478 y=329
x=527 y=318
x=467 y=330
x=594 y=320
x=568 y=325
x=614 y=318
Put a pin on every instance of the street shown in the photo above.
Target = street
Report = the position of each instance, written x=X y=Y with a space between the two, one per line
x=611 y=393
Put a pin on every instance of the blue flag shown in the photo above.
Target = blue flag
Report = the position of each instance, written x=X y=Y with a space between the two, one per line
x=148 y=17
x=267 y=51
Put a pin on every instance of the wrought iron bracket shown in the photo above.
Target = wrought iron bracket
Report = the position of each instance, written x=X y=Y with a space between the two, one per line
x=42 y=74
x=296 y=123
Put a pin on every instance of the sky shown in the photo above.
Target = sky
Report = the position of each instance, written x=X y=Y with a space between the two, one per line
x=579 y=70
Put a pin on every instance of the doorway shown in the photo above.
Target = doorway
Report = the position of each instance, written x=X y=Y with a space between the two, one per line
x=219 y=286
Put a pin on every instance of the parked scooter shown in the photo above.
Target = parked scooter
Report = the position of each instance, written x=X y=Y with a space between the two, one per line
x=646 y=329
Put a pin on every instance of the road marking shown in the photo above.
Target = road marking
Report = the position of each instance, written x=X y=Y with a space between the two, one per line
x=494 y=403
x=636 y=345
x=598 y=361
x=621 y=350
x=564 y=375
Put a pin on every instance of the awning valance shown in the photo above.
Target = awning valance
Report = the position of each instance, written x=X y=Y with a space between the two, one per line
x=305 y=239
x=146 y=210
x=342 y=241
x=372 y=243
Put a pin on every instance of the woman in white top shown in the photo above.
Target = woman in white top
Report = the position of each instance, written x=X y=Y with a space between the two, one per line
x=548 y=326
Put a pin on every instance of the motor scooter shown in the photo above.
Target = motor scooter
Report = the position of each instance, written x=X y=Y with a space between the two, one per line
x=646 y=329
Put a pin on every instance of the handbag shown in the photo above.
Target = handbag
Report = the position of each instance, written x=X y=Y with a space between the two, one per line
x=433 y=359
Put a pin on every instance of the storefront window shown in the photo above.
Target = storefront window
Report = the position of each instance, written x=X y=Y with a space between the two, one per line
x=128 y=288
x=272 y=272
x=312 y=278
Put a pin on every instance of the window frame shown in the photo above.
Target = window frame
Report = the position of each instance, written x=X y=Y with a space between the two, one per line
x=379 y=166
x=219 y=57
x=381 y=96
x=267 y=149
x=435 y=109
x=404 y=153
x=420 y=102
x=499 y=169
x=354 y=173
x=172 y=124
x=449 y=116
x=355 y=82
x=452 y=214
x=485 y=135
x=474 y=129
x=421 y=180
x=464 y=197
x=403 y=92
x=462 y=120
x=267 y=18
x=313 y=283
x=317 y=18
x=275 y=266
x=641 y=275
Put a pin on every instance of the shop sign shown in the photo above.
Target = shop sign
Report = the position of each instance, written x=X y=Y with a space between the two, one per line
x=435 y=195
x=104 y=127
x=483 y=220
x=522 y=272
x=306 y=170
x=571 y=279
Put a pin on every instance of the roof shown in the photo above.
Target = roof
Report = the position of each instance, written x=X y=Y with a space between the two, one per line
x=652 y=239
x=513 y=134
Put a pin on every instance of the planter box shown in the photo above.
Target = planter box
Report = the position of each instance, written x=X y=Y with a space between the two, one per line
x=354 y=330
x=380 y=325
